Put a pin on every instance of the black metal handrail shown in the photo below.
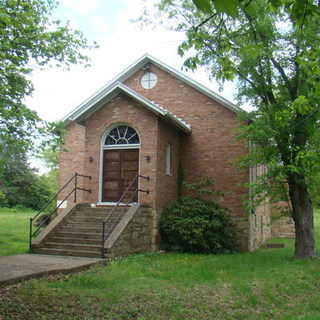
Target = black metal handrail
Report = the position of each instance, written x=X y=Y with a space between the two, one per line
x=74 y=190
x=105 y=234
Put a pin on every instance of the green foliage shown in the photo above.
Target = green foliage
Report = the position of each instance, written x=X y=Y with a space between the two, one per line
x=314 y=182
x=180 y=179
x=3 y=199
x=271 y=48
x=50 y=156
x=40 y=193
x=20 y=184
x=205 y=186
x=298 y=10
x=198 y=226
x=29 y=37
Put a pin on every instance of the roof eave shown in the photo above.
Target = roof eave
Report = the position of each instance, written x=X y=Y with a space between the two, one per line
x=147 y=58
x=196 y=85
x=83 y=109
x=108 y=93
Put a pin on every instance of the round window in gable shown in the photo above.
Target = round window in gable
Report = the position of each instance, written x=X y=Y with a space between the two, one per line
x=149 y=80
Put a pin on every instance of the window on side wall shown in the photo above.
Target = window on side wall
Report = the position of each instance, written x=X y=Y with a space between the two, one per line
x=168 y=159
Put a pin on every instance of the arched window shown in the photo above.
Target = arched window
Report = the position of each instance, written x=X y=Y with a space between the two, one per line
x=122 y=135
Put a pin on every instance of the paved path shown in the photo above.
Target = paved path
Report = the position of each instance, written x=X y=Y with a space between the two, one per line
x=24 y=266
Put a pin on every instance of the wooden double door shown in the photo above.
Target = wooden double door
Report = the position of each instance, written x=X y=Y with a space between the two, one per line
x=120 y=167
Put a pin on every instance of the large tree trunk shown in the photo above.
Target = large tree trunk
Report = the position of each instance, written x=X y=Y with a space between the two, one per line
x=302 y=212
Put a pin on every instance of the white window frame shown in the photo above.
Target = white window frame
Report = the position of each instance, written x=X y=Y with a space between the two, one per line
x=168 y=159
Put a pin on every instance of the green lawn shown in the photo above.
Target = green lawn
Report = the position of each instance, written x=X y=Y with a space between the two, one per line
x=14 y=231
x=266 y=284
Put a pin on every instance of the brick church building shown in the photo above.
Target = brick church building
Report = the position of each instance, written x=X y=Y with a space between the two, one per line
x=152 y=120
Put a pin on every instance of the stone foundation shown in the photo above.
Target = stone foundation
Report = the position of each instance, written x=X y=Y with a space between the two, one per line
x=136 y=233
x=283 y=228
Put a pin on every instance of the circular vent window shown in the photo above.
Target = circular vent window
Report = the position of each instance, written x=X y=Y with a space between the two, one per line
x=149 y=80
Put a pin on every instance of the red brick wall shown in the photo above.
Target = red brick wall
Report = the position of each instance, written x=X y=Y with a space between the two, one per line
x=72 y=158
x=167 y=189
x=123 y=110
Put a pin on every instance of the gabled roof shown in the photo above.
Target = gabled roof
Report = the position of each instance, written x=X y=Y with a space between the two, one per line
x=113 y=88
x=96 y=101
x=145 y=59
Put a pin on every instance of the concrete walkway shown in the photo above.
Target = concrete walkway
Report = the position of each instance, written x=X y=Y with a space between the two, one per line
x=19 y=267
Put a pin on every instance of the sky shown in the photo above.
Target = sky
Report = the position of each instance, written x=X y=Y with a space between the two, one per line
x=57 y=92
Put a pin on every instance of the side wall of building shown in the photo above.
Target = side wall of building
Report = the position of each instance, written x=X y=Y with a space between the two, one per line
x=167 y=187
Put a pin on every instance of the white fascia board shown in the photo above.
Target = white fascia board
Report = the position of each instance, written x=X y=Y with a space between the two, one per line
x=178 y=122
x=156 y=108
x=106 y=94
x=147 y=58
x=85 y=106
x=128 y=72
x=98 y=95
x=196 y=85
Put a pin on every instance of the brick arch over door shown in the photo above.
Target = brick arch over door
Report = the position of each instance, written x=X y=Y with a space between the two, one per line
x=120 y=147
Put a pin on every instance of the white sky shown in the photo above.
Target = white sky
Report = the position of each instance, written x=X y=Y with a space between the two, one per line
x=107 y=22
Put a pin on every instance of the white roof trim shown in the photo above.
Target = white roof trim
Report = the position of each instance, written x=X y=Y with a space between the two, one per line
x=147 y=58
x=106 y=94
x=196 y=85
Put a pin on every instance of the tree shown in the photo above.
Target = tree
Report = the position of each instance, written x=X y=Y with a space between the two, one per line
x=298 y=10
x=271 y=49
x=19 y=182
x=30 y=38
x=50 y=156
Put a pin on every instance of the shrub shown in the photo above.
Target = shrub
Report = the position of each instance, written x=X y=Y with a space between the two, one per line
x=3 y=199
x=197 y=226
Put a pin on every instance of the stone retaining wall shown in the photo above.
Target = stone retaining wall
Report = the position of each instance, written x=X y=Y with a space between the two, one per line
x=137 y=232
x=283 y=228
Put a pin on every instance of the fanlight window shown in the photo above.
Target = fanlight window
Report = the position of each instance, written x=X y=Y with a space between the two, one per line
x=122 y=135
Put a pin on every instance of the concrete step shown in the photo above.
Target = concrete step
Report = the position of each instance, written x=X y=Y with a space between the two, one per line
x=75 y=253
x=73 y=247
x=79 y=235
x=74 y=224
x=86 y=221
x=101 y=216
x=75 y=240
x=83 y=229
x=86 y=225
x=98 y=210
x=86 y=228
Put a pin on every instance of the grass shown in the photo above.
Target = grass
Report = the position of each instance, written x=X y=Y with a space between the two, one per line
x=14 y=234
x=266 y=284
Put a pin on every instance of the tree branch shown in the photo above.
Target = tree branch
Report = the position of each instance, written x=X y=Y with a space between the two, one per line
x=286 y=80
x=204 y=22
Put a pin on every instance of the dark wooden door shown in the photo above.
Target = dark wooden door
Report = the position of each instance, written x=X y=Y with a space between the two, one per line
x=120 y=167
